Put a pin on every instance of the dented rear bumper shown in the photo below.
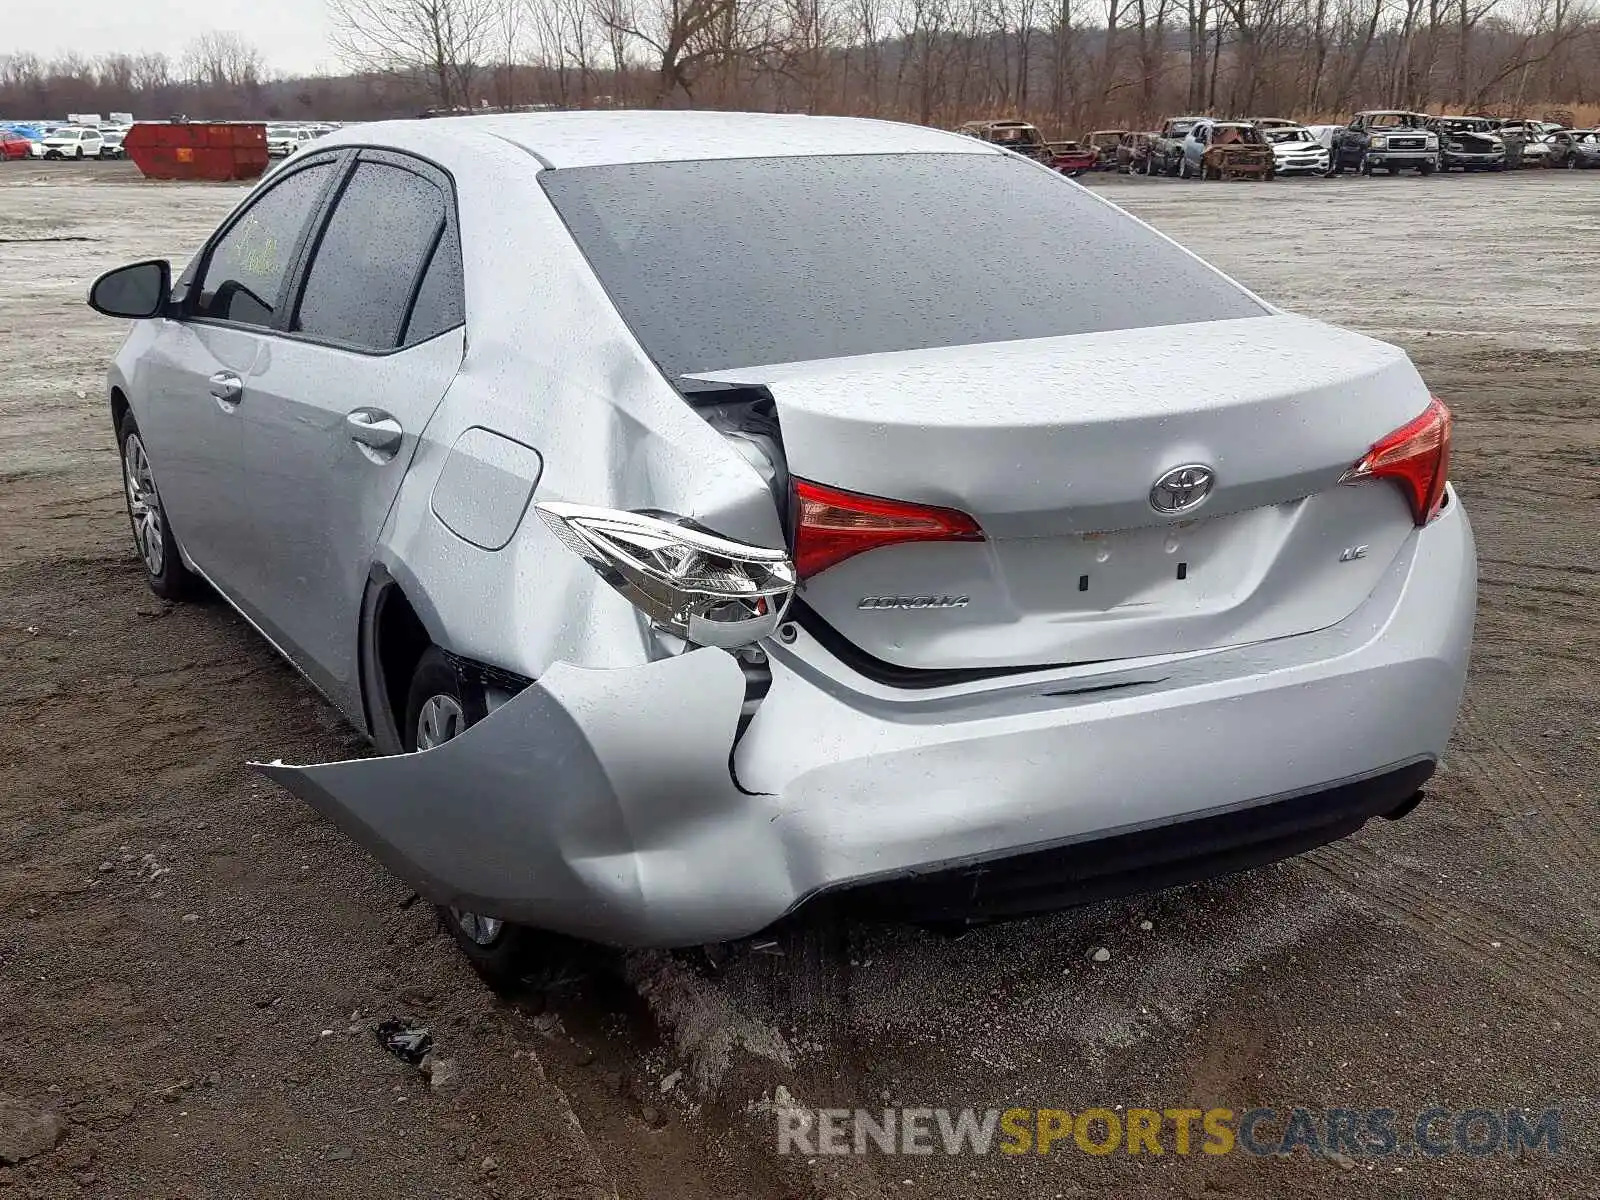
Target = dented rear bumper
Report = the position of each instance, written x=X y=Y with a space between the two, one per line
x=621 y=805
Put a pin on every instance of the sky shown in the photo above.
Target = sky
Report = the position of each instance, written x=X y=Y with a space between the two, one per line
x=292 y=35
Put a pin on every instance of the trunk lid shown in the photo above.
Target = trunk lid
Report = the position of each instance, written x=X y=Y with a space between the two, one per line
x=1054 y=445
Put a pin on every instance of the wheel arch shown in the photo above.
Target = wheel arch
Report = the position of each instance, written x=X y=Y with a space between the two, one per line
x=393 y=637
x=120 y=408
x=397 y=627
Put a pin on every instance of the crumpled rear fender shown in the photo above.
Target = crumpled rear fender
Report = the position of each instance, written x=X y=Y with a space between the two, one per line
x=568 y=806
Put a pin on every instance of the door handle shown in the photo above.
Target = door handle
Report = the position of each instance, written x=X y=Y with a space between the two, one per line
x=377 y=433
x=227 y=387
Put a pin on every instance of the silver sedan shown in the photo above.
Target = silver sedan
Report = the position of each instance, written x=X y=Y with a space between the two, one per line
x=706 y=513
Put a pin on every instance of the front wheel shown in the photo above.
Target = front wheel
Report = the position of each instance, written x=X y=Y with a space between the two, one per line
x=1425 y=167
x=152 y=535
x=437 y=710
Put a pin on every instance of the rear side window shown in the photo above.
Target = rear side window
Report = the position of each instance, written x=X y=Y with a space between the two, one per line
x=440 y=304
x=370 y=257
x=247 y=269
x=749 y=262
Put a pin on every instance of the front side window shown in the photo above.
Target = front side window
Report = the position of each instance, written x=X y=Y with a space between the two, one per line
x=749 y=262
x=248 y=266
x=370 y=258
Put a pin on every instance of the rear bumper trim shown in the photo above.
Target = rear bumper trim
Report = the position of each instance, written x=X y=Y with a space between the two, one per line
x=1141 y=860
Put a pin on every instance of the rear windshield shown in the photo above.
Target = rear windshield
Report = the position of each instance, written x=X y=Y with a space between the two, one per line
x=748 y=262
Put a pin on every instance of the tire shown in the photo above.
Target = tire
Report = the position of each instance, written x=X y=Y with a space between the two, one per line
x=1183 y=168
x=437 y=709
x=1425 y=168
x=1572 y=162
x=1363 y=166
x=152 y=534
x=1393 y=170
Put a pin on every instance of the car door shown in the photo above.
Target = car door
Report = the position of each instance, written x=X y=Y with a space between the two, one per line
x=190 y=388
x=365 y=354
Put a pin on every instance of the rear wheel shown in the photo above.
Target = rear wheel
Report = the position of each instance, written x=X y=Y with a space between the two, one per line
x=438 y=710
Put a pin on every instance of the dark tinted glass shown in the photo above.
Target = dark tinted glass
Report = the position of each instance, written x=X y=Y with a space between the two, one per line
x=368 y=261
x=439 y=305
x=747 y=262
x=247 y=268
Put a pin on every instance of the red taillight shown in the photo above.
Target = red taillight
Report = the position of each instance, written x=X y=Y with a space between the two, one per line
x=832 y=525
x=1417 y=457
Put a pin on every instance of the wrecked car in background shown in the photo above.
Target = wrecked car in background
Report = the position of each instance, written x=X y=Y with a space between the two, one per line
x=1104 y=143
x=722 y=563
x=1018 y=136
x=1296 y=150
x=1071 y=159
x=1385 y=139
x=1226 y=150
x=1575 y=149
x=1468 y=144
x=1133 y=153
x=1166 y=148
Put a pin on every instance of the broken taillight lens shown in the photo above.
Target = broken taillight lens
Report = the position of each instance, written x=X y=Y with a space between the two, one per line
x=707 y=590
x=1416 y=457
x=833 y=525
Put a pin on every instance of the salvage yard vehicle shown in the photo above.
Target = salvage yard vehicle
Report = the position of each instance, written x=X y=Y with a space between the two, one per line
x=1296 y=150
x=1166 y=149
x=284 y=140
x=72 y=141
x=1386 y=139
x=1575 y=149
x=111 y=143
x=13 y=145
x=1071 y=159
x=722 y=564
x=1468 y=144
x=1104 y=143
x=1133 y=153
x=1018 y=136
x=1226 y=150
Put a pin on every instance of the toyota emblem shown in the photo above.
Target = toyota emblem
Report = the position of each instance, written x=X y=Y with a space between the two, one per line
x=1182 y=488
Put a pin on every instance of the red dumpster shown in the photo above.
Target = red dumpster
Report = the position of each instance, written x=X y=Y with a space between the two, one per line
x=214 y=150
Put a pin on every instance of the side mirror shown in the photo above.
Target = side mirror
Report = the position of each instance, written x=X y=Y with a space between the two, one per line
x=135 y=292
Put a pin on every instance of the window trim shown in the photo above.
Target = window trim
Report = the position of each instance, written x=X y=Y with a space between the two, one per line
x=417 y=165
x=344 y=159
x=195 y=277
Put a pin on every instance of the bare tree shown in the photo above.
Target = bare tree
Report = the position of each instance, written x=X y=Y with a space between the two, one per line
x=222 y=60
x=442 y=41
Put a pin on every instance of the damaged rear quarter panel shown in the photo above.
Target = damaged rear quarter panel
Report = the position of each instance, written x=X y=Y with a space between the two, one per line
x=551 y=365
x=573 y=806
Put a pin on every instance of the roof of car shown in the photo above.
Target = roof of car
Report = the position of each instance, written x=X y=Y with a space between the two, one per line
x=596 y=138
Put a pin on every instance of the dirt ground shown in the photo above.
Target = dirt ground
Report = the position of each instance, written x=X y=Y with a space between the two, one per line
x=192 y=964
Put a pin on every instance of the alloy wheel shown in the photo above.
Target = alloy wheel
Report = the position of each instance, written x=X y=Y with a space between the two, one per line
x=439 y=720
x=144 y=506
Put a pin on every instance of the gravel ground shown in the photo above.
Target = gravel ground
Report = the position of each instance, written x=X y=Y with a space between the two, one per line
x=1452 y=958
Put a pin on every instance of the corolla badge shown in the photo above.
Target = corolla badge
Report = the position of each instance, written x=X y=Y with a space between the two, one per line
x=1182 y=488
